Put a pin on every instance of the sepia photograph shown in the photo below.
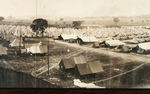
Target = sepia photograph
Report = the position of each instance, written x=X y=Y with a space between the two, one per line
x=75 y=44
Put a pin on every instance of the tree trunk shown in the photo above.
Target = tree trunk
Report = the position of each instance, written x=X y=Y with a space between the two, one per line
x=42 y=33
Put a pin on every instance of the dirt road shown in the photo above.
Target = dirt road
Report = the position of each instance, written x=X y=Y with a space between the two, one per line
x=125 y=57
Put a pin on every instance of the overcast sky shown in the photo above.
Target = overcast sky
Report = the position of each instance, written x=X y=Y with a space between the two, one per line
x=74 y=8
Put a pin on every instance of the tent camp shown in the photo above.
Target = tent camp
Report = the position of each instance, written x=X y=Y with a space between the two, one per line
x=89 y=68
x=68 y=63
x=16 y=42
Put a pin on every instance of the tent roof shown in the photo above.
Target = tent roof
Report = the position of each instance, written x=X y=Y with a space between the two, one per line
x=90 y=68
x=88 y=38
x=71 y=62
x=84 y=69
x=68 y=63
x=65 y=37
x=79 y=59
x=96 y=67
x=145 y=46
x=114 y=42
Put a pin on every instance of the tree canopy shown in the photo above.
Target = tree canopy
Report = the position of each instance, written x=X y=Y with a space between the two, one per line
x=77 y=24
x=39 y=25
x=116 y=20
x=1 y=18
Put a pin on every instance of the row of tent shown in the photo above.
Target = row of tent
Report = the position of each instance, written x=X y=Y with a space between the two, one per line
x=96 y=32
x=10 y=33
x=101 y=32
x=125 y=46
x=140 y=46
x=78 y=39
x=81 y=65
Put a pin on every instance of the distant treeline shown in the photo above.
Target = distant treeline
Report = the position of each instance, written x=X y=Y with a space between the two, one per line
x=84 y=23
x=57 y=24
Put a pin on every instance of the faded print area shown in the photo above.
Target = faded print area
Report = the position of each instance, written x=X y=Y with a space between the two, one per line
x=74 y=44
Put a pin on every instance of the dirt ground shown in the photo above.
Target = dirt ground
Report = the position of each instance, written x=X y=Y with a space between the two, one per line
x=113 y=64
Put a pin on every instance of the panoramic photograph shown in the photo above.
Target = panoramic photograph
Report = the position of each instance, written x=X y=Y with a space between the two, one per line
x=75 y=44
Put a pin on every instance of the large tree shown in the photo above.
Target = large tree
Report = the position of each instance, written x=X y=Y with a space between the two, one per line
x=76 y=24
x=1 y=18
x=39 y=25
x=116 y=20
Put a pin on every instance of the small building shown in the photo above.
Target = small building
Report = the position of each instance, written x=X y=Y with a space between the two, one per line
x=68 y=38
x=86 y=40
x=69 y=63
x=89 y=68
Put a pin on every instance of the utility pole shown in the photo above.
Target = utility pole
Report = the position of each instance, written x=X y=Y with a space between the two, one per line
x=48 y=55
x=20 y=41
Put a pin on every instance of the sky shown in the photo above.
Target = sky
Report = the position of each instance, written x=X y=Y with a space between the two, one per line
x=73 y=8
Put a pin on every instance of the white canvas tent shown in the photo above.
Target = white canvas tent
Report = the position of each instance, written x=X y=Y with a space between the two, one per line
x=67 y=37
x=114 y=43
x=143 y=48
x=37 y=49
x=88 y=38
